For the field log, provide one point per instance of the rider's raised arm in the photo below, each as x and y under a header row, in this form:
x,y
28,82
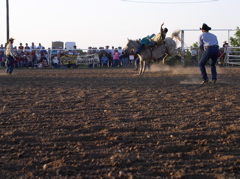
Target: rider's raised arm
x,y
161,29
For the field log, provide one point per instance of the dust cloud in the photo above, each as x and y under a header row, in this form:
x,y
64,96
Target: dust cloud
x,y
193,72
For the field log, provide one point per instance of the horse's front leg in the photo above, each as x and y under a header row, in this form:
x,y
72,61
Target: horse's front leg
x,y
140,65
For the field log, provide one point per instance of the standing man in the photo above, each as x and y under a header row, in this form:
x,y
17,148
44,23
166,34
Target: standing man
x,y
10,54
208,44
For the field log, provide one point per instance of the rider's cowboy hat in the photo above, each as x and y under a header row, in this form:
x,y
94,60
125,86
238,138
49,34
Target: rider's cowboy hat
x,y
205,27
11,39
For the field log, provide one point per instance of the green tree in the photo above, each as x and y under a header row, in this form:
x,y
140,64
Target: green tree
x,y
195,45
236,41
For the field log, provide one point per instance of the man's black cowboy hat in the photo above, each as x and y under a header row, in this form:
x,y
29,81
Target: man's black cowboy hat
x,y
205,27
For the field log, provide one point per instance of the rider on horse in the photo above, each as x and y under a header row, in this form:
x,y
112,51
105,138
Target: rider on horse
x,y
153,40
159,38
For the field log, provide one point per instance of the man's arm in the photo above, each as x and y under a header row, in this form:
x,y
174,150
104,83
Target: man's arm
x,y
200,43
161,29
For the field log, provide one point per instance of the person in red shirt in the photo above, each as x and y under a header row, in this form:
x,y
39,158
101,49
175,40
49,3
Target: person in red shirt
x,y
20,49
33,49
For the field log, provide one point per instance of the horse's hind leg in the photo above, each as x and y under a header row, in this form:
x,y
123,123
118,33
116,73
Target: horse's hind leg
x,y
164,58
140,68
144,67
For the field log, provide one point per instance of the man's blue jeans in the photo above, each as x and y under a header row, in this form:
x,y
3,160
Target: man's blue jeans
x,y
124,62
10,66
210,53
136,63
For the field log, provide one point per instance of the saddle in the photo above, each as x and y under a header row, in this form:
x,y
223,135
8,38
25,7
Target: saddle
x,y
155,45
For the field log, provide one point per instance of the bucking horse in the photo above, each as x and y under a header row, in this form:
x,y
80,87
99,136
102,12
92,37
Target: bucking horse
x,y
166,48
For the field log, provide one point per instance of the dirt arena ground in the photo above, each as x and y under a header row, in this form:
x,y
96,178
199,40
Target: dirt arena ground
x,y
111,123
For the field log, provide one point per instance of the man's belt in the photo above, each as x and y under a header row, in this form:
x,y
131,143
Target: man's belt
x,y
205,47
211,46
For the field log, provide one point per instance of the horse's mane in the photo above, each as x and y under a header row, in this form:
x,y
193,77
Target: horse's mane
x,y
138,41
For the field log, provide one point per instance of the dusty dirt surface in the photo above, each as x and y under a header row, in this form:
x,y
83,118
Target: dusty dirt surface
x,y
111,123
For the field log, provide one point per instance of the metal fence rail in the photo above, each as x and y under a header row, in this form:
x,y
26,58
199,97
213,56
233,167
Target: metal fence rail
x,y
233,56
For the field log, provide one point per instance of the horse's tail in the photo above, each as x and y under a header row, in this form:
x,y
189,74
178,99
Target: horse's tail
x,y
176,35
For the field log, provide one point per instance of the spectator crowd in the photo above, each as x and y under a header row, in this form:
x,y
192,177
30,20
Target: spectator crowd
x,y
27,56
32,56
114,57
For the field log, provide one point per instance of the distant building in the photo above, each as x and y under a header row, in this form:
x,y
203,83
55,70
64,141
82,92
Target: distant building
x,y
57,44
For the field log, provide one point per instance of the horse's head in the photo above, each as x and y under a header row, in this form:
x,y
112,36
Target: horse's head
x,y
131,45
127,47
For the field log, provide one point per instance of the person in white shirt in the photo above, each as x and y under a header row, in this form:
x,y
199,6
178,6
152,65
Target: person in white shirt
x,y
38,55
194,56
55,62
32,47
40,47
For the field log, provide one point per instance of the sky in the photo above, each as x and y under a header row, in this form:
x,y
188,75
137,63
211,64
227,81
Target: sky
x,y
98,23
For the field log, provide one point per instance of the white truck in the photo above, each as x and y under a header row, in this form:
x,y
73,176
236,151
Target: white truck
x,y
69,45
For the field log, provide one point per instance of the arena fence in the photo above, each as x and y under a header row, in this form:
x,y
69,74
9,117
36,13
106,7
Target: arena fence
x,y
75,59
232,56
91,59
